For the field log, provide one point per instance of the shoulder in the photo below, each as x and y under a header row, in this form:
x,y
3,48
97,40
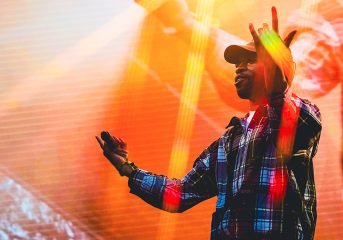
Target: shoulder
x,y
289,107
208,154
309,113
309,124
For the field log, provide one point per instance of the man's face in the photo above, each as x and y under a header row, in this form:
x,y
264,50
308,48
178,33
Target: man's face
x,y
247,80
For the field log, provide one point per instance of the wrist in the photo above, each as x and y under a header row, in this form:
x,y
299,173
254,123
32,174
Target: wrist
x,y
126,168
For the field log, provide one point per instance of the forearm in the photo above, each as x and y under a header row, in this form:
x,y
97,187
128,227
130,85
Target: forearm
x,y
174,195
153,188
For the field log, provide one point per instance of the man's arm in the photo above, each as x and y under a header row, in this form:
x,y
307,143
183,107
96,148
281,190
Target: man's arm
x,y
169,194
306,144
274,56
177,195
300,165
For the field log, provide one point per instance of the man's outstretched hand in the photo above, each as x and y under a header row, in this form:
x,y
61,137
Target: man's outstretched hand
x,y
274,54
115,150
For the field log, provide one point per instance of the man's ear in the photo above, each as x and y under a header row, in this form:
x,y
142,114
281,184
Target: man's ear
x,y
289,38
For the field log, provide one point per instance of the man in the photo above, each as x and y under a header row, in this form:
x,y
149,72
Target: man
x,y
261,168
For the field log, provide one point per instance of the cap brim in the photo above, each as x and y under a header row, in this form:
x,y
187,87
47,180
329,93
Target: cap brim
x,y
233,53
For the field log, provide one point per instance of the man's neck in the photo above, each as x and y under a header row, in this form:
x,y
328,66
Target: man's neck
x,y
255,103
253,106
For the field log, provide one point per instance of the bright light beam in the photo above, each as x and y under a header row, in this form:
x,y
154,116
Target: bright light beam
x,y
28,87
289,115
185,121
279,52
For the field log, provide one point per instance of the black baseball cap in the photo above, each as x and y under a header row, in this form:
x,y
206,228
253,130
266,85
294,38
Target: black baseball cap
x,y
234,52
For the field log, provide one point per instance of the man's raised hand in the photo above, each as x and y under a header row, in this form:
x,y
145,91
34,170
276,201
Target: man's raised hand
x,y
274,55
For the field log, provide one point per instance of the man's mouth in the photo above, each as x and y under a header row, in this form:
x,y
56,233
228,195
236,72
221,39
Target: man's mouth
x,y
239,80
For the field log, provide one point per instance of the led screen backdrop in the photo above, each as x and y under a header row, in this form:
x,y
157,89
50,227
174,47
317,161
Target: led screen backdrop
x,y
70,69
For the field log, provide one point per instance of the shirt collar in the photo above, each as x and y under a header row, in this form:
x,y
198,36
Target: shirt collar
x,y
275,100
241,121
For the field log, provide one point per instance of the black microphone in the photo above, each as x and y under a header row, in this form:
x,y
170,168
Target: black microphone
x,y
111,142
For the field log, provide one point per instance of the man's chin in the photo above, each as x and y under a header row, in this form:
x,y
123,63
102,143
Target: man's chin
x,y
243,94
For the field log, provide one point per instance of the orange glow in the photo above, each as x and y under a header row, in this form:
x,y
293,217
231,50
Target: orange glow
x,y
150,5
185,121
288,127
70,69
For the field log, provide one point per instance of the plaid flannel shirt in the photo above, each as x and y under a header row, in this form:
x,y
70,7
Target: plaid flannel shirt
x,y
243,169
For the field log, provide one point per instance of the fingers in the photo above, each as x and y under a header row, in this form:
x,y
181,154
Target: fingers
x,y
121,152
122,142
112,143
115,141
115,153
114,149
275,20
289,38
100,142
114,158
265,27
275,26
254,34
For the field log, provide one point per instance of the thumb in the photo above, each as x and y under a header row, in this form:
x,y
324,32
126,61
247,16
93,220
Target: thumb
x,y
289,38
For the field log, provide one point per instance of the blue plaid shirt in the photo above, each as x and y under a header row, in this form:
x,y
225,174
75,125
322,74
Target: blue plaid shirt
x,y
262,193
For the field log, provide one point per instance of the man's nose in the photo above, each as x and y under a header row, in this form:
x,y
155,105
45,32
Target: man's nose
x,y
241,67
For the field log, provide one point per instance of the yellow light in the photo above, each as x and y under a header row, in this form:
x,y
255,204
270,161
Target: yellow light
x,y
189,96
279,52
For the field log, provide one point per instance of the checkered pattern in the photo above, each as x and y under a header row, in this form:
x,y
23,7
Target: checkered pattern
x,y
261,193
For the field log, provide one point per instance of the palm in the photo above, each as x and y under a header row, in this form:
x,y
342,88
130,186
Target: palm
x,y
114,149
266,41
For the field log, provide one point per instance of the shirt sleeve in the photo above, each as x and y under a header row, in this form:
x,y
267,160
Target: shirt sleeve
x,y
178,195
300,165
305,147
